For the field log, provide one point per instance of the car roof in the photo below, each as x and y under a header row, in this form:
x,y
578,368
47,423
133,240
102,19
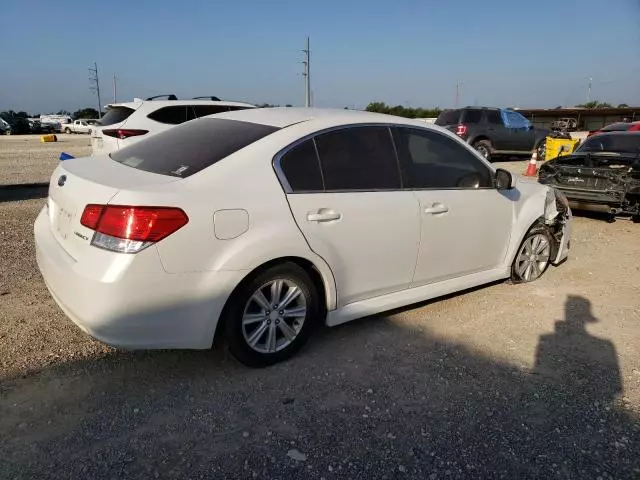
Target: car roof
x,y
167,103
615,132
285,116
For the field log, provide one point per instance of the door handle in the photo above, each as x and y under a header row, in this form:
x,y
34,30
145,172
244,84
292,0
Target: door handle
x,y
436,208
323,216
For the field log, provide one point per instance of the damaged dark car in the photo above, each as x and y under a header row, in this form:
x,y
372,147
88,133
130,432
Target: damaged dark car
x,y
603,174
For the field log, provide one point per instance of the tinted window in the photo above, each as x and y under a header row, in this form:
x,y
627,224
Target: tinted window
x,y
515,120
116,115
204,110
493,117
431,160
612,142
358,158
473,116
301,167
172,115
189,148
448,117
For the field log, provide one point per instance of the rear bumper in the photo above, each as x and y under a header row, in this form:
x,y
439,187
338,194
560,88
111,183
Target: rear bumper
x,y
134,310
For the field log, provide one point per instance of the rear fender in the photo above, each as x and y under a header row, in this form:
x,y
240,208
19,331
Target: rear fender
x,y
235,258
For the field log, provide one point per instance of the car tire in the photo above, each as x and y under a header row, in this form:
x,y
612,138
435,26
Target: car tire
x,y
257,328
539,242
484,148
67,130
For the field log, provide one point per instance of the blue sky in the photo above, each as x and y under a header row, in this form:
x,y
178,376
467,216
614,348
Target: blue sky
x,y
533,53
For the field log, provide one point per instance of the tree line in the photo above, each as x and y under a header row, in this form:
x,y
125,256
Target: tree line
x,y
400,111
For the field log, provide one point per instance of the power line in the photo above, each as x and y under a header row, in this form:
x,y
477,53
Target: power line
x,y
95,85
307,75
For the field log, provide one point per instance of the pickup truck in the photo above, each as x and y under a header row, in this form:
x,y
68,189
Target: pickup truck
x,y
494,131
78,126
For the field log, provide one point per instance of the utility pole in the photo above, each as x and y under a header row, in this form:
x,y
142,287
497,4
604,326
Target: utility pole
x,y
589,90
115,89
95,85
458,85
307,75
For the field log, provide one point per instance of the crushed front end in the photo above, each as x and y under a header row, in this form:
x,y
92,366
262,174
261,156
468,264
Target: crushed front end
x,y
557,217
603,183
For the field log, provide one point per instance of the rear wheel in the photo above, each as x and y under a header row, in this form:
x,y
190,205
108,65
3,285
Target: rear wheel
x,y
533,257
484,148
67,130
272,315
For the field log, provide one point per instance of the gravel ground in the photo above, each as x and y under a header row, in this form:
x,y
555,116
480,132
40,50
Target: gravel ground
x,y
530,381
24,159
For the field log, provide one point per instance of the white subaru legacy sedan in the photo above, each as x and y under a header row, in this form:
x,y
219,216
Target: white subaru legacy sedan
x,y
260,224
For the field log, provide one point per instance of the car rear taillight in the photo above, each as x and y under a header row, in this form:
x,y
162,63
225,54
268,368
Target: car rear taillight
x,y
123,133
461,130
634,127
129,229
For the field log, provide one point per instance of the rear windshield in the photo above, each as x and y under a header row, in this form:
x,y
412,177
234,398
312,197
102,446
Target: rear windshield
x,y
448,117
611,142
116,115
192,146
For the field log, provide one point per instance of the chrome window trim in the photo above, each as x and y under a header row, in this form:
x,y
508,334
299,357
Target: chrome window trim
x,y
286,186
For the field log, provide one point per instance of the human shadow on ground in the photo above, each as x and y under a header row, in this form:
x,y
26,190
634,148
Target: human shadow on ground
x,y
377,398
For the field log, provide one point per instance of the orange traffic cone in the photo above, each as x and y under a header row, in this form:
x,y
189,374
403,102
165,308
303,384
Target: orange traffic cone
x,y
532,168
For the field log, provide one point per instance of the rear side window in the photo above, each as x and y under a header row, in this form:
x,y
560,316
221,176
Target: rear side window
x,y
494,117
174,115
301,167
116,115
448,117
358,158
189,148
472,116
432,160
204,110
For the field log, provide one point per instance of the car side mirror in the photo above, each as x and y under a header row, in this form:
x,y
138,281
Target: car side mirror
x,y
504,179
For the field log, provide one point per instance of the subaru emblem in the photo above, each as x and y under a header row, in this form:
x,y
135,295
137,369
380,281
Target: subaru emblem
x,y
62,180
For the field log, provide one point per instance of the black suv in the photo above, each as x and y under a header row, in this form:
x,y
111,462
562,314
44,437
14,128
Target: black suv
x,y
494,131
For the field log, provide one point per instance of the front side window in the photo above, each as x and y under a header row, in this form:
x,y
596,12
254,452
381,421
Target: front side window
x,y
431,160
515,120
358,158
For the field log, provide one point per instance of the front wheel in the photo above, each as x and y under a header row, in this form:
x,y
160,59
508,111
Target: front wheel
x,y
272,315
484,148
533,257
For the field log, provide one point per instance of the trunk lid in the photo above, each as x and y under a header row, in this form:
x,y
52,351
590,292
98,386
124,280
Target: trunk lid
x,y
78,182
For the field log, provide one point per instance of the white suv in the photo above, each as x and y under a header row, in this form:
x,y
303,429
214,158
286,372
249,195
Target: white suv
x,y
130,122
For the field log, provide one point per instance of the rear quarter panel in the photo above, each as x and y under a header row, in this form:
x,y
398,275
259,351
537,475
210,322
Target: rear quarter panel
x,y
243,181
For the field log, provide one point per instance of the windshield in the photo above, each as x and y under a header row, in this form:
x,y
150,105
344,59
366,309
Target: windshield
x,y
614,143
192,146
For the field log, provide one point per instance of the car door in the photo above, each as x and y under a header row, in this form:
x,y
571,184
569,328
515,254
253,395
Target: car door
x,y
522,135
497,131
344,190
465,222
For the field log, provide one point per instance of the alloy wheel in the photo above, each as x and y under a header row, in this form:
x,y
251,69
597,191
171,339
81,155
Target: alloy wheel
x,y
533,257
274,315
